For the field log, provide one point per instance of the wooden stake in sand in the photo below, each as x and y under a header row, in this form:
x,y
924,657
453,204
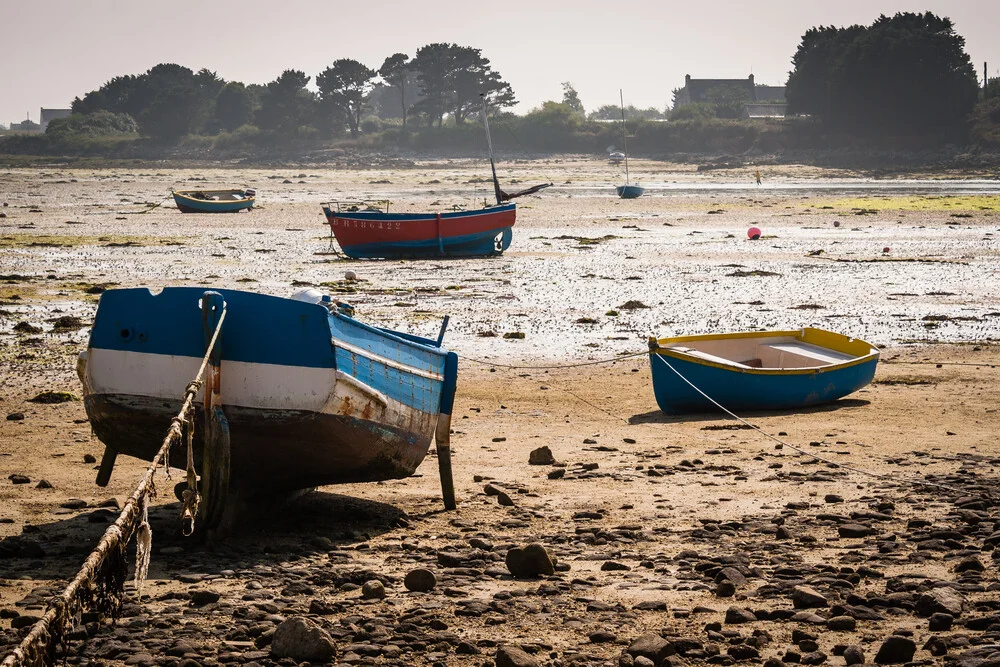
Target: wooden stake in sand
x,y
101,580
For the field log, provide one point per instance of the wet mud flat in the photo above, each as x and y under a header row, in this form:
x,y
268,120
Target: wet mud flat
x,y
672,541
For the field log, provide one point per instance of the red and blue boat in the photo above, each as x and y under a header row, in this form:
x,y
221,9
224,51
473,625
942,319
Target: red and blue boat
x,y
368,232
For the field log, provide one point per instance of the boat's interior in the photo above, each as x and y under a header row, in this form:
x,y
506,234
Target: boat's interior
x,y
217,195
777,352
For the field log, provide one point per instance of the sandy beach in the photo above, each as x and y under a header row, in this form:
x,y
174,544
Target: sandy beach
x,y
709,541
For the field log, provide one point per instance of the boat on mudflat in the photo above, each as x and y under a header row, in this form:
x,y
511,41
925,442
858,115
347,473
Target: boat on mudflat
x,y
629,190
365,231
214,201
312,396
758,370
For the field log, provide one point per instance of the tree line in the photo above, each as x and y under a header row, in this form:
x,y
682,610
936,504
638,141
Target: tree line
x,y
170,101
902,76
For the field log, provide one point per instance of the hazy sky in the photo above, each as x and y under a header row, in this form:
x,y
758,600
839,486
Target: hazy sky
x,y
56,50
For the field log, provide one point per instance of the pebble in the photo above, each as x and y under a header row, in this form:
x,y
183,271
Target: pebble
x,y
302,640
854,655
806,597
735,615
541,457
532,560
896,650
373,590
420,580
650,646
512,656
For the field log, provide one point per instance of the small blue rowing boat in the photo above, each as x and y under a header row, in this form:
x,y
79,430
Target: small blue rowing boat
x,y
312,396
630,191
214,201
759,370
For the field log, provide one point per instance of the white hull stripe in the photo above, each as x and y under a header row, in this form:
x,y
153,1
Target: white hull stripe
x,y
430,375
265,386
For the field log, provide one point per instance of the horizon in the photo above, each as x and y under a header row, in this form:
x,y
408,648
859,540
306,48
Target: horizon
x,y
660,50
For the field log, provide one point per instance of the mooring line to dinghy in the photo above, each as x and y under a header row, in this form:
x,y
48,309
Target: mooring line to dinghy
x,y
913,481
556,367
101,579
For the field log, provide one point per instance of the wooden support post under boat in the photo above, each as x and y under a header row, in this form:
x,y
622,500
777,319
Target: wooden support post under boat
x,y
216,455
442,434
107,465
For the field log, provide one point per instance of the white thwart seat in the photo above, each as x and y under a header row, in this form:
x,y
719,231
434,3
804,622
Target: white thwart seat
x,y
708,357
813,352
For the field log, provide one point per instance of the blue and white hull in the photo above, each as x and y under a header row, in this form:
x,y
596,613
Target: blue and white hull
x,y
312,397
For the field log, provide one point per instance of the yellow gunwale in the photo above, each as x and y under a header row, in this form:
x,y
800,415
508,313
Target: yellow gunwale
x,y
864,352
184,195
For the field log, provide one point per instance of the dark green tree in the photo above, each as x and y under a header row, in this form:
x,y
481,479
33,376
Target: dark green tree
x,y
433,64
904,74
452,78
286,104
571,98
119,95
343,88
233,106
396,74
811,86
992,89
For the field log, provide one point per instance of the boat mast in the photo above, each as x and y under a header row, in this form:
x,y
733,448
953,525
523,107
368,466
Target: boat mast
x,y
489,142
621,97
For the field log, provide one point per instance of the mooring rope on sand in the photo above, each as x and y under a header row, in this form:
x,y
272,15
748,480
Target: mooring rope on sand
x,y
103,569
912,481
556,367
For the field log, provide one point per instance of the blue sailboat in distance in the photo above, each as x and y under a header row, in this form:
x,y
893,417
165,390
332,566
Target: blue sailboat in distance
x,y
627,191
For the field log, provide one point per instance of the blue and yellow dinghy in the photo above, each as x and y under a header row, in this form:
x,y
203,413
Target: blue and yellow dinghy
x,y
312,396
214,201
759,370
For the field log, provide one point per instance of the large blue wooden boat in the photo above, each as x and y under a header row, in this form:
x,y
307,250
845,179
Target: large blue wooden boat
x,y
312,395
769,370
214,201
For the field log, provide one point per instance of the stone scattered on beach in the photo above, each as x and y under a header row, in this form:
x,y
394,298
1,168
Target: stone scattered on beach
x,y
15,416
512,656
940,600
737,615
853,530
530,561
302,640
806,597
373,590
896,650
541,457
202,597
43,484
18,478
420,580
651,646
854,655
